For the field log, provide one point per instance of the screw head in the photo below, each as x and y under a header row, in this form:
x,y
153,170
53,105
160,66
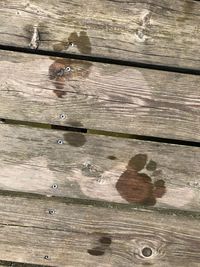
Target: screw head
x,y
51,211
67,69
54,186
62,116
60,142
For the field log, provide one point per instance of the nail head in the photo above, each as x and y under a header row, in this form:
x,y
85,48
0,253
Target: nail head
x,y
67,69
54,186
62,116
51,212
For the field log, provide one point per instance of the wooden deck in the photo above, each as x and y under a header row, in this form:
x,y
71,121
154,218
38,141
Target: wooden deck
x,y
100,133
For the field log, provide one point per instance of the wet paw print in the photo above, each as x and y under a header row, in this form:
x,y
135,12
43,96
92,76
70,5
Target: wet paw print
x,y
79,40
103,246
63,70
137,187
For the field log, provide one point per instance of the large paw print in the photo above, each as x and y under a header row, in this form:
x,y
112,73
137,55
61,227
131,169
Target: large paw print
x,y
137,187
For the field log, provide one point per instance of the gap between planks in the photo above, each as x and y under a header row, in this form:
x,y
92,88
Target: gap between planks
x,y
18,264
92,203
104,60
99,96
100,132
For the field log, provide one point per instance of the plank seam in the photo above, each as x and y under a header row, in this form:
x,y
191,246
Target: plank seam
x,y
146,138
102,59
20,264
102,204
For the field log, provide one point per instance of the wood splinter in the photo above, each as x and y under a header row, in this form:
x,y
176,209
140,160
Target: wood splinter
x,y
34,44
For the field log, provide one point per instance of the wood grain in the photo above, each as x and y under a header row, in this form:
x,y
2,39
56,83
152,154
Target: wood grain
x,y
70,235
99,96
99,168
161,32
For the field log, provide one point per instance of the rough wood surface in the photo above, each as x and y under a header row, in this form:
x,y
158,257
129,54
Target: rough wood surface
x,y
164,32
77,235
99,168
99,96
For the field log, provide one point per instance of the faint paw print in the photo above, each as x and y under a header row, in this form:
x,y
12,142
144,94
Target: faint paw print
x,y
137,187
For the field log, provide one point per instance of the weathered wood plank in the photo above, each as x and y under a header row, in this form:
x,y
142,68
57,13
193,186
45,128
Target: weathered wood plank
x,y
99,96
78,235
163,32
99,168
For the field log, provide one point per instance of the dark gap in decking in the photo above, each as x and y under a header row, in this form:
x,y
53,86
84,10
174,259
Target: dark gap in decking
x,y
43,125
102,132
20,264
102,204
101,59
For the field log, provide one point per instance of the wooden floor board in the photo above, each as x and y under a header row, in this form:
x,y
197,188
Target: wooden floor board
x,y
160,32
99,168
78,235
99,96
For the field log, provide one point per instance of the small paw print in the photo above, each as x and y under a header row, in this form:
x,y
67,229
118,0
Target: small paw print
x,y
137,187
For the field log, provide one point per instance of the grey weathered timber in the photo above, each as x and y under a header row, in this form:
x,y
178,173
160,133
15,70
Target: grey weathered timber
x,y
55,233
99,168
99,96
161,32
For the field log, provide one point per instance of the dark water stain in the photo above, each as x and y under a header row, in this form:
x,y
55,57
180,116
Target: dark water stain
x,y
63,45
58,75
151,166
100,250
63,70
80,40
97,251
105,240
136,187
138,162
75,139
112,157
